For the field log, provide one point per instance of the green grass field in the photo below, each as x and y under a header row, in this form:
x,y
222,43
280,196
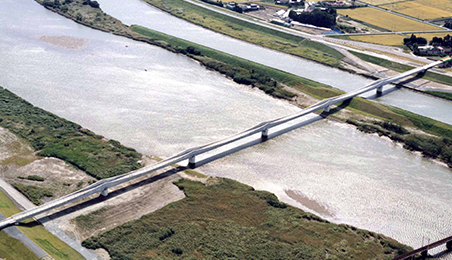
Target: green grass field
x,y
230,220
13,249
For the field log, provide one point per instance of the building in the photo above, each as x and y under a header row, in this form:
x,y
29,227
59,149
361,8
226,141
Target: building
x,y
431,50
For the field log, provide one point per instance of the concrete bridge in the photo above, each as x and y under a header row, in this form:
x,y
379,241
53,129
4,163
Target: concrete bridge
x,y
263,128
424,250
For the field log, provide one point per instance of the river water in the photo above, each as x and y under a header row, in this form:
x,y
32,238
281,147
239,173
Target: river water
x,y
138,12
161,103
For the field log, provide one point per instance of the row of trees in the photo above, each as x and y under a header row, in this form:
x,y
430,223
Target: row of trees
x,y
444,42
317,17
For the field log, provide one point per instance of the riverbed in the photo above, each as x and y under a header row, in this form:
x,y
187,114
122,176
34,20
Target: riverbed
x,y
161,103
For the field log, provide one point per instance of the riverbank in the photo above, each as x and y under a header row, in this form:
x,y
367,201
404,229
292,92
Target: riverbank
x,y
245,224
272,81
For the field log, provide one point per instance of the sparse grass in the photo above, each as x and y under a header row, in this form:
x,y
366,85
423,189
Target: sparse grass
x,y
33,193
233,221
385,20
13,249
36,232
379,2
56,137
195,173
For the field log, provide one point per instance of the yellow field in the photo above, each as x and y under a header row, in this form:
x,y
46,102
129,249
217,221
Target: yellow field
x,y
387,39
429,36
445,5
419,10
380,2
385,20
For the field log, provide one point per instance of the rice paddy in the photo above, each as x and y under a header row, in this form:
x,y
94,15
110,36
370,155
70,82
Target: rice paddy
x,y
420,9
385,20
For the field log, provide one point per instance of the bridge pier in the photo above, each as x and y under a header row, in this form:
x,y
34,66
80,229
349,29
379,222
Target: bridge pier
x,y
449,246
192,162
264,135
326,109
380,90
104,193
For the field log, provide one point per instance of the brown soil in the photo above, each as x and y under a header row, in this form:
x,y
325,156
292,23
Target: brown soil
x,y
65,42
309,203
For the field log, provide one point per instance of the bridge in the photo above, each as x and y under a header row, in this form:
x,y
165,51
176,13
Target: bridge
x,y
424,250
190,154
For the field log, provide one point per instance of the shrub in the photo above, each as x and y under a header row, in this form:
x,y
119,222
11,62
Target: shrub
x,y
166,234
177,251
35,178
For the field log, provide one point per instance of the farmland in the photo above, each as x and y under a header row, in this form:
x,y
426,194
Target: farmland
x,y
380,2
391,39
384,39
385,20
418,9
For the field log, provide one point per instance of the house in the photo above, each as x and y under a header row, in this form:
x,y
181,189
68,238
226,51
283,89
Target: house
x,y
431,50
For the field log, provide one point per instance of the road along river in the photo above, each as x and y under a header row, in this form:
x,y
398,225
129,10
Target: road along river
x,y
99,81
138,12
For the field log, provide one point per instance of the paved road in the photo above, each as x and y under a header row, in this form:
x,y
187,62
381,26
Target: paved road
x,y
14,232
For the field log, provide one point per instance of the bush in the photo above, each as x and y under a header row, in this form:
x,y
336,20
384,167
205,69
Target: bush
x,y
35,178
166,234
177,251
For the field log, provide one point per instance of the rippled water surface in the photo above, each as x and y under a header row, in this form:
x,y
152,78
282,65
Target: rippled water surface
x,y
161,103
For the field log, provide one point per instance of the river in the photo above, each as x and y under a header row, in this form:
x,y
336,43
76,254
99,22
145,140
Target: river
x,y
138,12
161,103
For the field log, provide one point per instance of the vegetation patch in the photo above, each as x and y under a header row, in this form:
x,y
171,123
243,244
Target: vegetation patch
x,y
445,95
433,147
32,178
56,137
233,221
33,193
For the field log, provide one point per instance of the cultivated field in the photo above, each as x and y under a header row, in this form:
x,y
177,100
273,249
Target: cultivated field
x,y
385,20
385,39
445,5
425,10
380,2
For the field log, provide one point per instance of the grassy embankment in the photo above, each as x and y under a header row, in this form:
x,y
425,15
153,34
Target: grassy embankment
x,y
402,68
250,32
56,248
440,94
245,224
